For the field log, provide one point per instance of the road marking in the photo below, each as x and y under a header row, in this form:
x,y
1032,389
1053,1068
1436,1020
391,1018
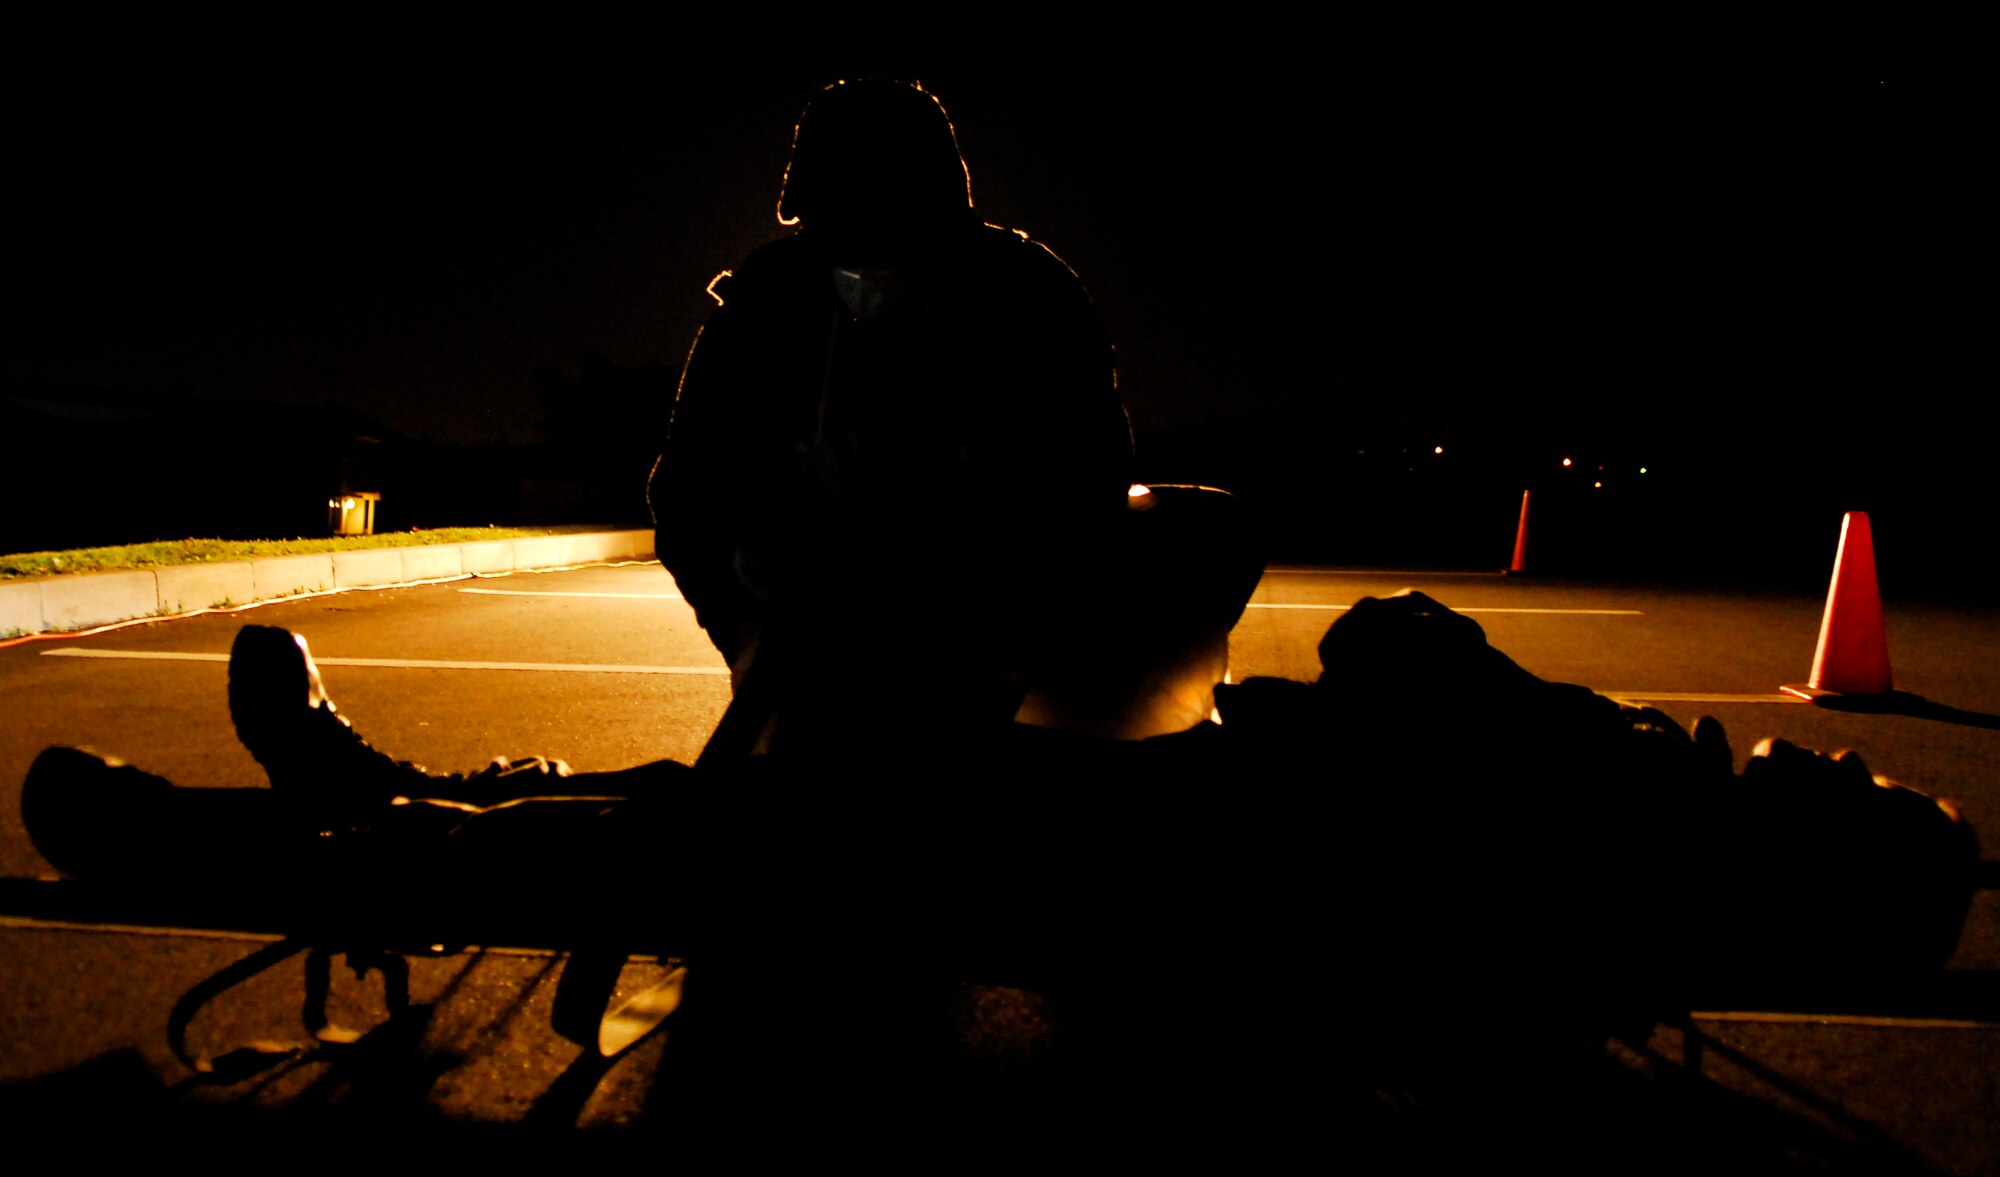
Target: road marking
x,y
401,663
33,924
1494,609
532,593
1699,697
720,671
1334,608
1797,1019
1395,572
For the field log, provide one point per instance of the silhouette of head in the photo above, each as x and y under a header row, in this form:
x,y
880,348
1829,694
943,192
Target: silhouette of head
x,y
875,165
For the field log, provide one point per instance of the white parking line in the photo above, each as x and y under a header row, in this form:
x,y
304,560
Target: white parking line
x,y
720,671
1393,573
532,593
37,924
1496,609
1781,1018
402,663
1697,697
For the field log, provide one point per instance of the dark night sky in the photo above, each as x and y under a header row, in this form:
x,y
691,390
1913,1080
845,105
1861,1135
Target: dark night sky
x,y
1651,252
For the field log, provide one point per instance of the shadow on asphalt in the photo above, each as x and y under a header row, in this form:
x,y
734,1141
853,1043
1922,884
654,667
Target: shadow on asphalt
x,y
1487,1087
1914,706
1648,1115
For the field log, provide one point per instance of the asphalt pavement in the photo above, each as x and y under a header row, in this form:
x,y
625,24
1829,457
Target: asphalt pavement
x,y
605,667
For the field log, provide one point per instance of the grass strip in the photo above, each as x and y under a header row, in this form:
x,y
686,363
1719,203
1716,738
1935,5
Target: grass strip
x,y
162,553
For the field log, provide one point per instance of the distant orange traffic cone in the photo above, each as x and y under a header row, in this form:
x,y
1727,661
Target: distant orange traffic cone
x,y
1853,654
1520,564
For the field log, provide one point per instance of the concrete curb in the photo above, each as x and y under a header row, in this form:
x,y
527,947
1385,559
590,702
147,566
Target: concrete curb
x,y
60,603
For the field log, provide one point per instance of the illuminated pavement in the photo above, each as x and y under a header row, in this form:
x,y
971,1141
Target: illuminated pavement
x,y
605,667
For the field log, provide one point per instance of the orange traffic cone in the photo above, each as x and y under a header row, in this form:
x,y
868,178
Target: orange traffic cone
x,y
1853,654
1520,564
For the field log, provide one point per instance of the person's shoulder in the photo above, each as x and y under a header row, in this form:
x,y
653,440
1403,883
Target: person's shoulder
x,y
1017,249
1015,268
770,266
793,249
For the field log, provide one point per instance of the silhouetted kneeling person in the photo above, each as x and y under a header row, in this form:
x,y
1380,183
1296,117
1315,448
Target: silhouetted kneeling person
x,y
892,438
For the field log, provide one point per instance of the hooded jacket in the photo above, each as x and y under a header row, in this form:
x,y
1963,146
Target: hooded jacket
x,y
895,386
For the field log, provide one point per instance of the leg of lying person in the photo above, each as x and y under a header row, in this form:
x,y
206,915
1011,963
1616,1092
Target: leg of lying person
x,y
767,832
96,817
312,754
402,865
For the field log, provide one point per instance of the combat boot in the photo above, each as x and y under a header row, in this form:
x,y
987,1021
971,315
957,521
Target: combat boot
x,y
314,757
98,818
311,753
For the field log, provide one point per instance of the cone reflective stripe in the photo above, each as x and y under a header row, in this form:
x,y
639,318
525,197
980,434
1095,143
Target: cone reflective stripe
x,y
1520,563
1853,653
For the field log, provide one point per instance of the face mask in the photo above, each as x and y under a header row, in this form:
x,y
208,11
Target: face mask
x,y
871,293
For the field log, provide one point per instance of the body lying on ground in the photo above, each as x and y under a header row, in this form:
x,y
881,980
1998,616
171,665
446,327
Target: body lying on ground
x,y
1342,872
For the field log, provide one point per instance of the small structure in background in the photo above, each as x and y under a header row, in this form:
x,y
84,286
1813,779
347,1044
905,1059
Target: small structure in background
x,y
94,462
352,513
